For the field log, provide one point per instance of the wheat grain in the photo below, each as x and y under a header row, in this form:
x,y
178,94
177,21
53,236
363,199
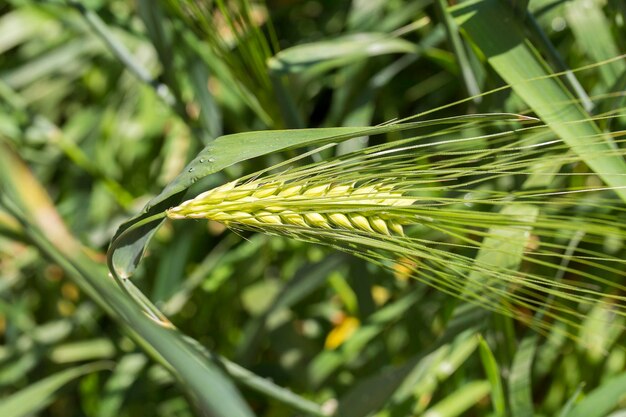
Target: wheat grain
x,y
275,204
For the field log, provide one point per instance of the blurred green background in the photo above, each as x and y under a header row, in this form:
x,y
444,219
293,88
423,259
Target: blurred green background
x,y
107,101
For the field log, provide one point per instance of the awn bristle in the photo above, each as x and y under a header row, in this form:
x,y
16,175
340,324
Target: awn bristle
x,y
274,204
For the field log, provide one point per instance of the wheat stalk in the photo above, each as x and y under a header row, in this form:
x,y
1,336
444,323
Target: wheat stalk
x,y
275,204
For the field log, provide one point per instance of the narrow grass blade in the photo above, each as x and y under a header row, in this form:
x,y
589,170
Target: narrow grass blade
x,y
459,401
493,376
50,62
592,30
122,53
569,405
84,350
325,55
452,30
36,396
29,203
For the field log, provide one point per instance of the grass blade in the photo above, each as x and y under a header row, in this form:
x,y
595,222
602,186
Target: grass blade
x,y
602,400
36,396
520,382
325,55
493,376
29,203
491,25
459,401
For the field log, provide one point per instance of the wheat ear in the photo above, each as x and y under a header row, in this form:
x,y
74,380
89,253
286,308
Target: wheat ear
x,y
275,204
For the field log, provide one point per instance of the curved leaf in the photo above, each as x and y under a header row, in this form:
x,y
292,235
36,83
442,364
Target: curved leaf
x,y
202,379
328,54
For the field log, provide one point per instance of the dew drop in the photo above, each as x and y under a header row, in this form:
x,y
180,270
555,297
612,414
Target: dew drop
x,y
191,169
211,159
202,160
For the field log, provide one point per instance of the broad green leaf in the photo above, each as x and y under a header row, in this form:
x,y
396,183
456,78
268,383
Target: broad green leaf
x,y
36,396
602,400
325,55
502,249
492,27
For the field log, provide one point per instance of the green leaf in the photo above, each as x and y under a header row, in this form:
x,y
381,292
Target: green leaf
x,y
592,31
399,384
325,55
602,400
117,386
520,381
36,396
464,63
501,250
83,350
493,376
205,383
371,393
460,400
493,28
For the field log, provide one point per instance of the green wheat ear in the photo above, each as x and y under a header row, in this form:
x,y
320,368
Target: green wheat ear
x,y
276,204
361,202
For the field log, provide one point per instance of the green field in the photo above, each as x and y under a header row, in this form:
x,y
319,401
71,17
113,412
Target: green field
x,y
280,208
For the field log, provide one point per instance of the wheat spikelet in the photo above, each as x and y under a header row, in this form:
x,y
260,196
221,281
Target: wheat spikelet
x,y
275,204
